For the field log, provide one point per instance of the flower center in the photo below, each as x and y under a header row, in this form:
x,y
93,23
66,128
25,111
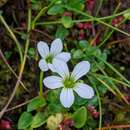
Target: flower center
x,y
69,82
49,58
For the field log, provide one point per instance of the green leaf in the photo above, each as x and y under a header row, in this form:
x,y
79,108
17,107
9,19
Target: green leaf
x,y
31,51
38,120
61,32
23,36
91,122
80,101
66,21
93,101
77,54
36,103
127,15
80,117
25,120
77,4
52,96
56,9
29,128
55,108
8,54
83,44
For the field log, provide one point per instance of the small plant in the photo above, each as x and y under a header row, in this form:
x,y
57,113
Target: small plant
x,y
68,58
72,87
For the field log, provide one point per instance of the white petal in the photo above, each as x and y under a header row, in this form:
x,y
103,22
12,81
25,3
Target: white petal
x,y
67,97
43,65
51,67
56,46
84,90
65,56
43,49
53,82
80,69
61,67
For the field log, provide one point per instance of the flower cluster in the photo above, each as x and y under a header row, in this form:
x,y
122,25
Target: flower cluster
x,y
56,61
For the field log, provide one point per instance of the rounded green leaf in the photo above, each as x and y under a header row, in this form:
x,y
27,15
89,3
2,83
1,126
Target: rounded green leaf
x,y
25,120
38,120
56,9
83,44
31,52
76,4
66,21
78,54
127,16
61,32
29,128
36,103
80,117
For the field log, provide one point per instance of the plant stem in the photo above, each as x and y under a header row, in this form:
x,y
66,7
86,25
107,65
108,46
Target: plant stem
x,y
99,7
106,85
99,102
107,33
38,16
112,84
22,66
96,19
13,37
41,84
10,68
20,105
82,20
113,79
41,12
112,68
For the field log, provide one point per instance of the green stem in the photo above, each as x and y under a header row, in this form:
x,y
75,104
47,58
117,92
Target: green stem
x,y
113,79
112,27
13,37
22,66
38,16
112,84
99,102
100,108
41,84
41,12
96,19
99,7
11,70
112,68
115,11
106,38
108,34
105,84
82,20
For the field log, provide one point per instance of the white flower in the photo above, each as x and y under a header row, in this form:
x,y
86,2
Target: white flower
x,y
48,56
69,82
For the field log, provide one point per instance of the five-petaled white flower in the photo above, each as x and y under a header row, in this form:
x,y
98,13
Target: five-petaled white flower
x,y
69,82
48,56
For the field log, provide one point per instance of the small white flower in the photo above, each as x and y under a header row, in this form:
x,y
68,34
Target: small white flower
x,y
69,82
48,56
